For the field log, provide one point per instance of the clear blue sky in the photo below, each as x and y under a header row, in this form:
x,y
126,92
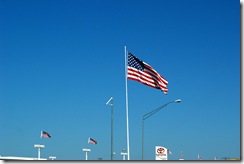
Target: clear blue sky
x,y
60,61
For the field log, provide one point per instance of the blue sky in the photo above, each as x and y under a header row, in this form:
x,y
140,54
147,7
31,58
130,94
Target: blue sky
x,y
60,61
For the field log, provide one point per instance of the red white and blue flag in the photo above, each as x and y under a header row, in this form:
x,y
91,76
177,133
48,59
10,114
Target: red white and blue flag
x,y
45,134
140,71
199,158
92,141
169,152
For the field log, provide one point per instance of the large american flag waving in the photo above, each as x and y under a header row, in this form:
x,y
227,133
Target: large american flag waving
x,y
142,72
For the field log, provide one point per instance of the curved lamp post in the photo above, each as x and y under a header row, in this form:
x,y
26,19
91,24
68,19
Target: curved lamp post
x,y
145,116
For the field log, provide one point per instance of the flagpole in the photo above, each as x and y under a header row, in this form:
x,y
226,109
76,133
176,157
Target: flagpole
x,y
127,119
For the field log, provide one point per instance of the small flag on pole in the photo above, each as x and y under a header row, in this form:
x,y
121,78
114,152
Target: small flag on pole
x,y
92,141
140,71
45,135
199,158
169,152
181,156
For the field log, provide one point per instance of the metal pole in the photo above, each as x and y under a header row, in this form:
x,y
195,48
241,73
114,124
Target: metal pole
x,y
123,153
86,151
127,111
86,155
142,153
112,119
145,116
111,103
39,153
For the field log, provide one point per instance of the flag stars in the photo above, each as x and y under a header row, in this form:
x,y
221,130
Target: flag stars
x,y
134,62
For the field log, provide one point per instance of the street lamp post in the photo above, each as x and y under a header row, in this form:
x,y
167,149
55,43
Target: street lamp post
x,y
52,157
111,103
86,151
145,116
123,153
39,149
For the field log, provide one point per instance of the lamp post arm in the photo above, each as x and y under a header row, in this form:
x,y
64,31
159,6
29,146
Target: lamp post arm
x,y
155,110
144,117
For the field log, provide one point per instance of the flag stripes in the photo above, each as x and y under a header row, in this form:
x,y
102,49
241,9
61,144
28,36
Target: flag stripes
x,y
45,135
169,152
142,72
92,141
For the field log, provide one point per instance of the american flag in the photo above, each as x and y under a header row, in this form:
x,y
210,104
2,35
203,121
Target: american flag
x,y
45,135
90,140
182,155
199,158
169,152
142,72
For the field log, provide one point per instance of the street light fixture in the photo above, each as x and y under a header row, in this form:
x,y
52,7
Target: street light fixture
x,y
111,103
145,116
52,157
123,153
86,150
39,149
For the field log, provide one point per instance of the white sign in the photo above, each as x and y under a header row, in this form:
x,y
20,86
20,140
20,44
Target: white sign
x,y
161,153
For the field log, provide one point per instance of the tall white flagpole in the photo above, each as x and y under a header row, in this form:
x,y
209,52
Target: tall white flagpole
x,y
127,119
